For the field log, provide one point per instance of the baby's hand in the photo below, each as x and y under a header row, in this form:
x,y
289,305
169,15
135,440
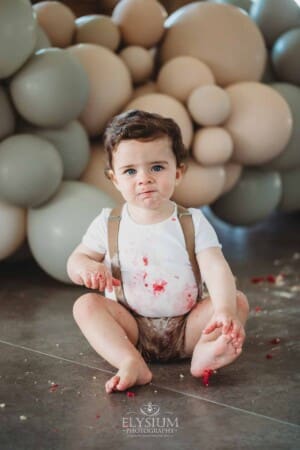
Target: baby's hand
x,y
229,323
97,276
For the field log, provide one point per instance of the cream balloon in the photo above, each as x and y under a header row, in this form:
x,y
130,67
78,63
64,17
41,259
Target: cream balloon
x,y
110,85
141,22
166,106
97,29
13,228
94,173
221,36
209,105
57,20
200,185
139,62
148,88
260,122
181,75
233,172
212,146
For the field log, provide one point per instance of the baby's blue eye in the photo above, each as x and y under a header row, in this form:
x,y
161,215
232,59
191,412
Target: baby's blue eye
x,y
130,171
157,168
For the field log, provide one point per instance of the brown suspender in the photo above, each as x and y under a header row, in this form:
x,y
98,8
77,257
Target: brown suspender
x,y
186,222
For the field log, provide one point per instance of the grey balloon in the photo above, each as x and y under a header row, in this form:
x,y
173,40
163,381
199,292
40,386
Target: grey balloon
x,y
253,198
7,116
30,170
51,89
73,145
290,200
275,17
243,4
286,56
42,40
56,228
17,35
290,157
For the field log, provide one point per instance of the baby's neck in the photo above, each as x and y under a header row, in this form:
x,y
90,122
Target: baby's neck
x,y
146,216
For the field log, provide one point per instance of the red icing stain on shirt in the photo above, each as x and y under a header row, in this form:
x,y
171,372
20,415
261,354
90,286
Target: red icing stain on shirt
x,y
145,260
159,287
206,376
174,219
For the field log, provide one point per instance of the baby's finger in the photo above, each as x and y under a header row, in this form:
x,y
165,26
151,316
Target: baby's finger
x,y
235,329
226,326
87,281
94,281
210,328
109,283
102,282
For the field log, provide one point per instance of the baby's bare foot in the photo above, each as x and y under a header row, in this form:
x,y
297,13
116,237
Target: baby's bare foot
x,y
213,354
132,372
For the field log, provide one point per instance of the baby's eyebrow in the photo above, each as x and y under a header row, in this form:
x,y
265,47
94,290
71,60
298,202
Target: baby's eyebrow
x,y
151,163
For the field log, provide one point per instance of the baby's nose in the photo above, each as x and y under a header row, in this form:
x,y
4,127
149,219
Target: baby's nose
x,y
145,177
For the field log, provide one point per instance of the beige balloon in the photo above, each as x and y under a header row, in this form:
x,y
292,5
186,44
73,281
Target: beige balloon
x,y
233,172
260,122
94,173
139,61
168,107
148,88
222,36
97,29
212,146
110,85
200,185
209,105
180,76
141,21
13,228
57,20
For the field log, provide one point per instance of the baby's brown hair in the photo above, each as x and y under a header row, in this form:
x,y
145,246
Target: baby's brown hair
x,y
142,126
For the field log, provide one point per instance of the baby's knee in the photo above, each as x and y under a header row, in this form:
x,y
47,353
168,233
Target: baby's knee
x,y
85,306
242,303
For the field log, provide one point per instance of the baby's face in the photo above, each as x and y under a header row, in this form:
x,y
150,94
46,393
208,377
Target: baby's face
x,y
145,172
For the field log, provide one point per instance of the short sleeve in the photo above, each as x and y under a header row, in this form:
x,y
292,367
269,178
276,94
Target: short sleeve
x,y
205,235
95,237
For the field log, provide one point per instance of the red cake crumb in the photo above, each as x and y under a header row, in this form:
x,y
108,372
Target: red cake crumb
x,y
206,376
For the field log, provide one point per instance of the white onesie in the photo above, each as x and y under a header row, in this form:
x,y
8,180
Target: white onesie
x,y
157,276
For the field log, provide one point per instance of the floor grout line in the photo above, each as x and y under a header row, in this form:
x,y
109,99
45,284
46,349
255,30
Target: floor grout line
x,y
198,397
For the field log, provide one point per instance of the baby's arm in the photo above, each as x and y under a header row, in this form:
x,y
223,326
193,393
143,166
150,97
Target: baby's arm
x,y
85,267
221,287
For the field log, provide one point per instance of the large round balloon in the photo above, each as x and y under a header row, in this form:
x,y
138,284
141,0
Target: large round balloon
x,y
200,185
109,82
13,228
141,22
18,35
285,56
30,170
97,29
51,89
181,75
209,105
260,122
212,146
168,107
221,36
243,4
252,199
7,121
139,61
56,228
290,200
289,158
94,173
275,17
58,21
72,143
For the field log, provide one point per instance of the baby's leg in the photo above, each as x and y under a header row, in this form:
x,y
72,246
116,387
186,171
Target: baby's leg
x,y
214,350
112,331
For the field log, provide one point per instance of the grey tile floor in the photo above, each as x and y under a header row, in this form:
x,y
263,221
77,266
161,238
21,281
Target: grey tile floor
x,y
52,383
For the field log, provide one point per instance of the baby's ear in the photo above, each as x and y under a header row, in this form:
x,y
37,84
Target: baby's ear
x,y
109,174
